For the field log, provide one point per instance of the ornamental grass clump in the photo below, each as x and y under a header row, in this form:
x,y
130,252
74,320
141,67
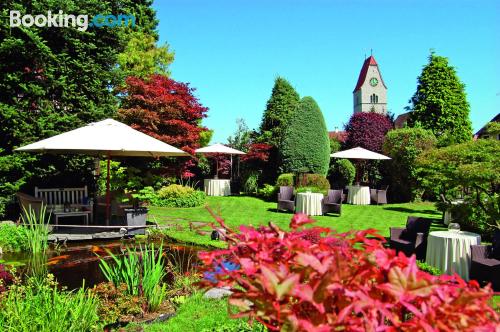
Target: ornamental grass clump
x,y
142,271
44,307
37,228
315,279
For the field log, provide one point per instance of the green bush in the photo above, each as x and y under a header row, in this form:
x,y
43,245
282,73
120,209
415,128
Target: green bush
x,y
176,195
477,219
429,268
174,191
268,192
251,185
312,189
13,238
342,173
285,179
313,180
45,308
306,146
404,146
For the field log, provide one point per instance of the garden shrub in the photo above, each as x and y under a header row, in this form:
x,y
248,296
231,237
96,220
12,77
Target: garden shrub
x,y
116,304
423,266
251,185
269,192
306,146
6,278
312,180
311,189
475,219
285,179
342,173
179,196
472,166
367,130
404,146
12,237
315,279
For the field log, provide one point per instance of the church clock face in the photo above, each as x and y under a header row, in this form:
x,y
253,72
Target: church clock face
x,y
373,81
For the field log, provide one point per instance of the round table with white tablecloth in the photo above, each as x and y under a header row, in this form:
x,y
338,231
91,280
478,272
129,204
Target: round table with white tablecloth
x,y
450,251
358,195
309,203
217,187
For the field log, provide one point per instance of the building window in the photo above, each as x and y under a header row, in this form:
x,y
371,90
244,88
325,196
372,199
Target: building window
x,y
374,99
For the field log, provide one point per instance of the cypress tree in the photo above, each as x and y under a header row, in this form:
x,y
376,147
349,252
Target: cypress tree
x,y
440,103
306,147
283,101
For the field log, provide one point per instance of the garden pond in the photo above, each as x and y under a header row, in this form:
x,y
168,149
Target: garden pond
x,y
77,264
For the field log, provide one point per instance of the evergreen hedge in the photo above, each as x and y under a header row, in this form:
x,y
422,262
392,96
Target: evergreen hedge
x,y
306,147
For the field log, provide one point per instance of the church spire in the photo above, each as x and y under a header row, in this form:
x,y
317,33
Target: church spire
x,y
370,93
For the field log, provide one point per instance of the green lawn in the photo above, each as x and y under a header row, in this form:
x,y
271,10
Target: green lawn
x,y
203,315
243,210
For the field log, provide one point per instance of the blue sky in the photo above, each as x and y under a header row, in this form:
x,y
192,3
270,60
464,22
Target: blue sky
x,y
231,51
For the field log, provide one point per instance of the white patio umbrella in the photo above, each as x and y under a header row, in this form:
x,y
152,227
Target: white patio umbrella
x,y
359,154
107,138
220,148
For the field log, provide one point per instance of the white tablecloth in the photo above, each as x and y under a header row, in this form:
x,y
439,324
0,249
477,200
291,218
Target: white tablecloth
x,y
358,195
450,251
309,203
217,187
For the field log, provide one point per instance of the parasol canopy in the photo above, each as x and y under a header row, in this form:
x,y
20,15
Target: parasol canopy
x,y
222,149
108,138
104,138
359,153
218,148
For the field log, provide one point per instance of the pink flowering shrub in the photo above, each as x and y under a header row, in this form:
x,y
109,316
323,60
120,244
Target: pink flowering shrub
x,y
318,280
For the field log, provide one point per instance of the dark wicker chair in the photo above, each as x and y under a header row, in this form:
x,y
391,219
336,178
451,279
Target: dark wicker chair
x,y
413,238
285,199
379,196
333,202
484,267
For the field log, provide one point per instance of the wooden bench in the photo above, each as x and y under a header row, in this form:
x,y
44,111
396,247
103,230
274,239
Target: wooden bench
x,y
76,197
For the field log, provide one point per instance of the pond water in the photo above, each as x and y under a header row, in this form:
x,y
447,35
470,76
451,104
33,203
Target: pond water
x,y
78,263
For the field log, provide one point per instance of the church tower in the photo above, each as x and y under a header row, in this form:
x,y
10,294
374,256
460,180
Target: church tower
x,y
370,93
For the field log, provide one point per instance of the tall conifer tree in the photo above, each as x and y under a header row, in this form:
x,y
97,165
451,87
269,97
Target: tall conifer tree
x,y
440,103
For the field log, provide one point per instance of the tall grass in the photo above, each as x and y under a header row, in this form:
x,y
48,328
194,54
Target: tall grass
x,y
142,271
32,307
37,228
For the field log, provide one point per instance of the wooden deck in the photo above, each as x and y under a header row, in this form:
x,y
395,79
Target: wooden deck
x,y
63,233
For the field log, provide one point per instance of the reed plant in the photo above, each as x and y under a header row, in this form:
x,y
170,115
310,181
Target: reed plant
x,y
141,270
37,228
45,308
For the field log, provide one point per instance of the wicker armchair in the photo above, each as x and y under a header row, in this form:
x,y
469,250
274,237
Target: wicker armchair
x,y
333,202
413,238
484,266
27,202
285,199
379,196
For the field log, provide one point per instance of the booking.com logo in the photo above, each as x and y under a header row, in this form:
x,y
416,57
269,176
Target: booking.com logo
x,y
61,20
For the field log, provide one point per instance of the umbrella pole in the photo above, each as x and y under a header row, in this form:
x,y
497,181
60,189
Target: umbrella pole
x,y
231,172
108,198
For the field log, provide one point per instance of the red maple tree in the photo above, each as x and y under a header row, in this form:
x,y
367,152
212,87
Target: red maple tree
x,y
165,109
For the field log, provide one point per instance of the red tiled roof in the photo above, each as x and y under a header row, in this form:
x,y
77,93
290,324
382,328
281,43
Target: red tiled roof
x,y
401,120
370,61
